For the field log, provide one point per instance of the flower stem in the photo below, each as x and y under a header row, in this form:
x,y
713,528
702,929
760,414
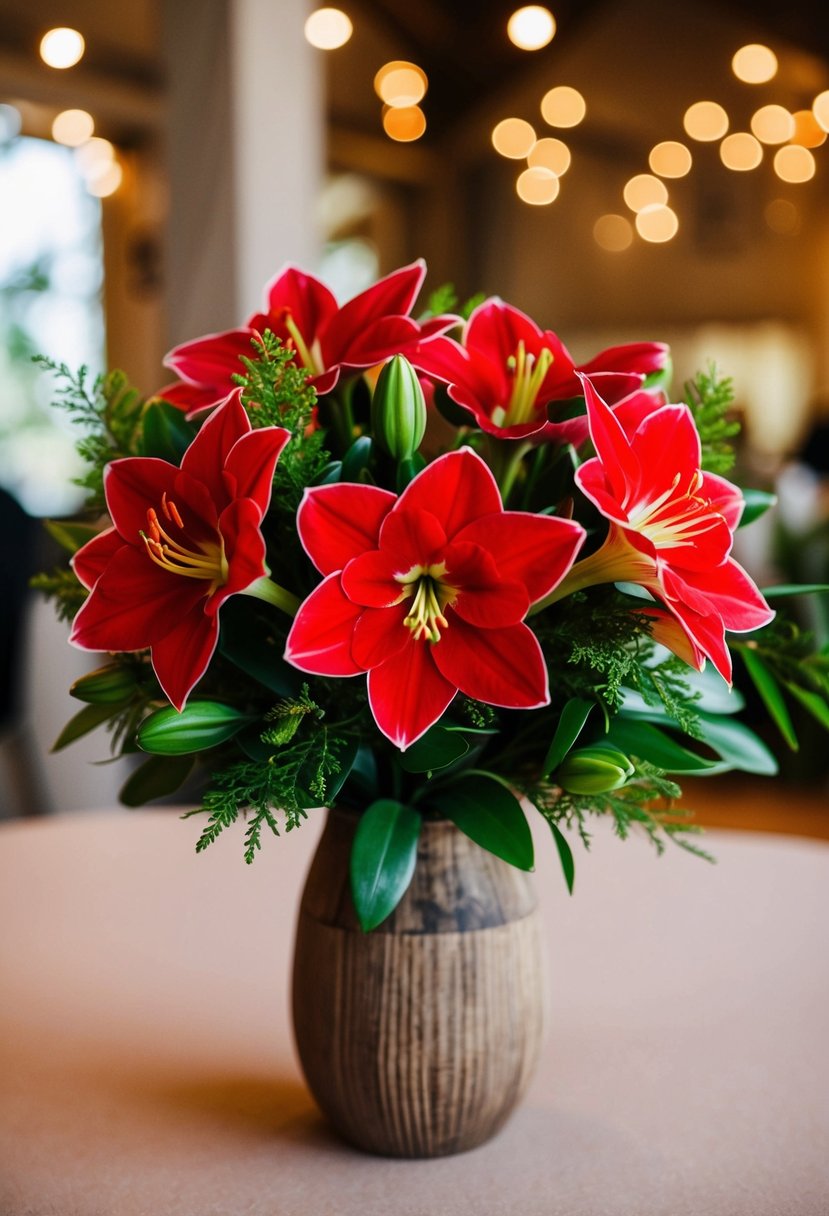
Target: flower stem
x,y
616,561
272,593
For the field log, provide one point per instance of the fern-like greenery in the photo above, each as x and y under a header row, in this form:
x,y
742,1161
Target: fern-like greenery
x,y
709,398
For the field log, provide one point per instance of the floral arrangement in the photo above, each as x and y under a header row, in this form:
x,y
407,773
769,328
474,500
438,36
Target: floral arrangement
x,y
419,566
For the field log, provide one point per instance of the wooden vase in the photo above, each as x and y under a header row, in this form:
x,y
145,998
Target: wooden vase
x,y
419,1038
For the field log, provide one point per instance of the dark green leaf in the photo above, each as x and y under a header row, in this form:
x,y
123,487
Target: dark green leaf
x,y
158,776
565,854
812,701
408,469
491,816
330,473
82,723
364,773
769,691
573,717
383,859
356,459
70,536
165,432
757,503
200,725
436,749
251,645
650,743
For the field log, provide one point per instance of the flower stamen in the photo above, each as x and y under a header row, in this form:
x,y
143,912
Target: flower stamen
x,y
529,372
207,562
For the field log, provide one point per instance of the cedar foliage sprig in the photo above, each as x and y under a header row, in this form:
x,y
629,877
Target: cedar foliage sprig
x,y
62,586
709,398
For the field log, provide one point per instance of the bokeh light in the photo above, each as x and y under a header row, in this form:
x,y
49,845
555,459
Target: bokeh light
x,y
820,109
670,159
741,152
73,128
550,153
62,47
782,216
705,121
807,130
754,64
657,224
94,157
772,124
532,27
563,106
400,83
613,233
328,28
537,186
404,123
514,138
644,190
107,182
794,163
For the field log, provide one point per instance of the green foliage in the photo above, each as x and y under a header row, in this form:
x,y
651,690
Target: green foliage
x,y
287,717
709,399
383,858
442,299
782,656
488,813
201,725
62,587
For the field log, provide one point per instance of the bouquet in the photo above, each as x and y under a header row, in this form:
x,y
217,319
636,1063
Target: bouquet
x,y
419,564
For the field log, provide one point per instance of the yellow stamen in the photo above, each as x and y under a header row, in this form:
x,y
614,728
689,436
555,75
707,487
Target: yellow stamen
x,y
430,595
528,373
301,345
675,518
207,562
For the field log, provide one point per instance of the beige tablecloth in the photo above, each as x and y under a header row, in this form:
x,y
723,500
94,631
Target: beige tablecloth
x,y
148,1065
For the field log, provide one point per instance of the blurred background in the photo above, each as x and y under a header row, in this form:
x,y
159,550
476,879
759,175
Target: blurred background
x,y
620,169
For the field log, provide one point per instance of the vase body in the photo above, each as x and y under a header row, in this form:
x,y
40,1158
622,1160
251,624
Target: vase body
x,y
419,1038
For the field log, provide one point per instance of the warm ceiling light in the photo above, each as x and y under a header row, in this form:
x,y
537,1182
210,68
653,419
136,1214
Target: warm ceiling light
x,y
754,64
106,183
670,159
705,121
404,123
563,106
532,27
772,124
328,28
613,233
820,109
782,216
643,190
537,186
794,163
552,154
400,83
62,47
807,130
10,123
513,137
740,152
73,128
657,224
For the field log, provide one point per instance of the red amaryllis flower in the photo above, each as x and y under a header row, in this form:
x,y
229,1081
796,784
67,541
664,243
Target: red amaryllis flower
x,y
327,337
183,540
509,373
428,592
671,529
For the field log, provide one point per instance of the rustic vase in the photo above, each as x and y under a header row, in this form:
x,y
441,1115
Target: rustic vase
x,y
419,1038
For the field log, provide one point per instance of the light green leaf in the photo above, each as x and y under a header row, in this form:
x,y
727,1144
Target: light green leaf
x,y
570,725
757,503
812,701
82,723
490,815
565,854
738,746
771,593
769,691
641,739
383,858
70,536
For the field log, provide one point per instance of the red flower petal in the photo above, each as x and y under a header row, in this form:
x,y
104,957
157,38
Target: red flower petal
x,y
392,296
643,357
90,562
205,458
486,599
612,446
134,604
537,550
239,526
408,694
700,620
132,486
252,460
414,537
386,336
379,635
182,657
457,488
669,632
339,522
732,594
369,580
666,443
310,303
724,497
320,637
498,666
213,359
191,398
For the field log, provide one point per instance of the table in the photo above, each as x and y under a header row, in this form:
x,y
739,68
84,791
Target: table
x,y
149,1067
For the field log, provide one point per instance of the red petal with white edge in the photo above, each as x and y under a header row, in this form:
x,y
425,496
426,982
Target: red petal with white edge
x,y
134,485
90,562
667,631
485,599
447,361
457,488
310,303
408,694
536,550
251,463
388,336
499,666
392,296
213,359
700,620
667,446
133,604
379,635
591,478
644,357
244,548
724,497
635,407
612,446
369,580
192,399
320,637
339,522
205,458
733,595
183,656
413,538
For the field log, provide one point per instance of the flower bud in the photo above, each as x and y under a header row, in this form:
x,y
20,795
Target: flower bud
x,y
200,725
398,409
107,686
593,770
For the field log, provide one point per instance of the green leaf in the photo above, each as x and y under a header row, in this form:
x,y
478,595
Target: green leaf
x,y
330,473
757,503
82,723
771,593
738,746
247,640
436,749
158,776
573,717
769,691
200,725
356,458
408,469
812,701
70,536
333,784
383,858
491,816
165,432
364,773
565,854
650,743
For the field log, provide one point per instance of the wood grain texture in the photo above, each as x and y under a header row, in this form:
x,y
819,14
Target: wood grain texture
x,y
418,1039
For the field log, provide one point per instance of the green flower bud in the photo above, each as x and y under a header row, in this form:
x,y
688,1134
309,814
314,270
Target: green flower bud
x,y
398,409
200,725
107,686
593,770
